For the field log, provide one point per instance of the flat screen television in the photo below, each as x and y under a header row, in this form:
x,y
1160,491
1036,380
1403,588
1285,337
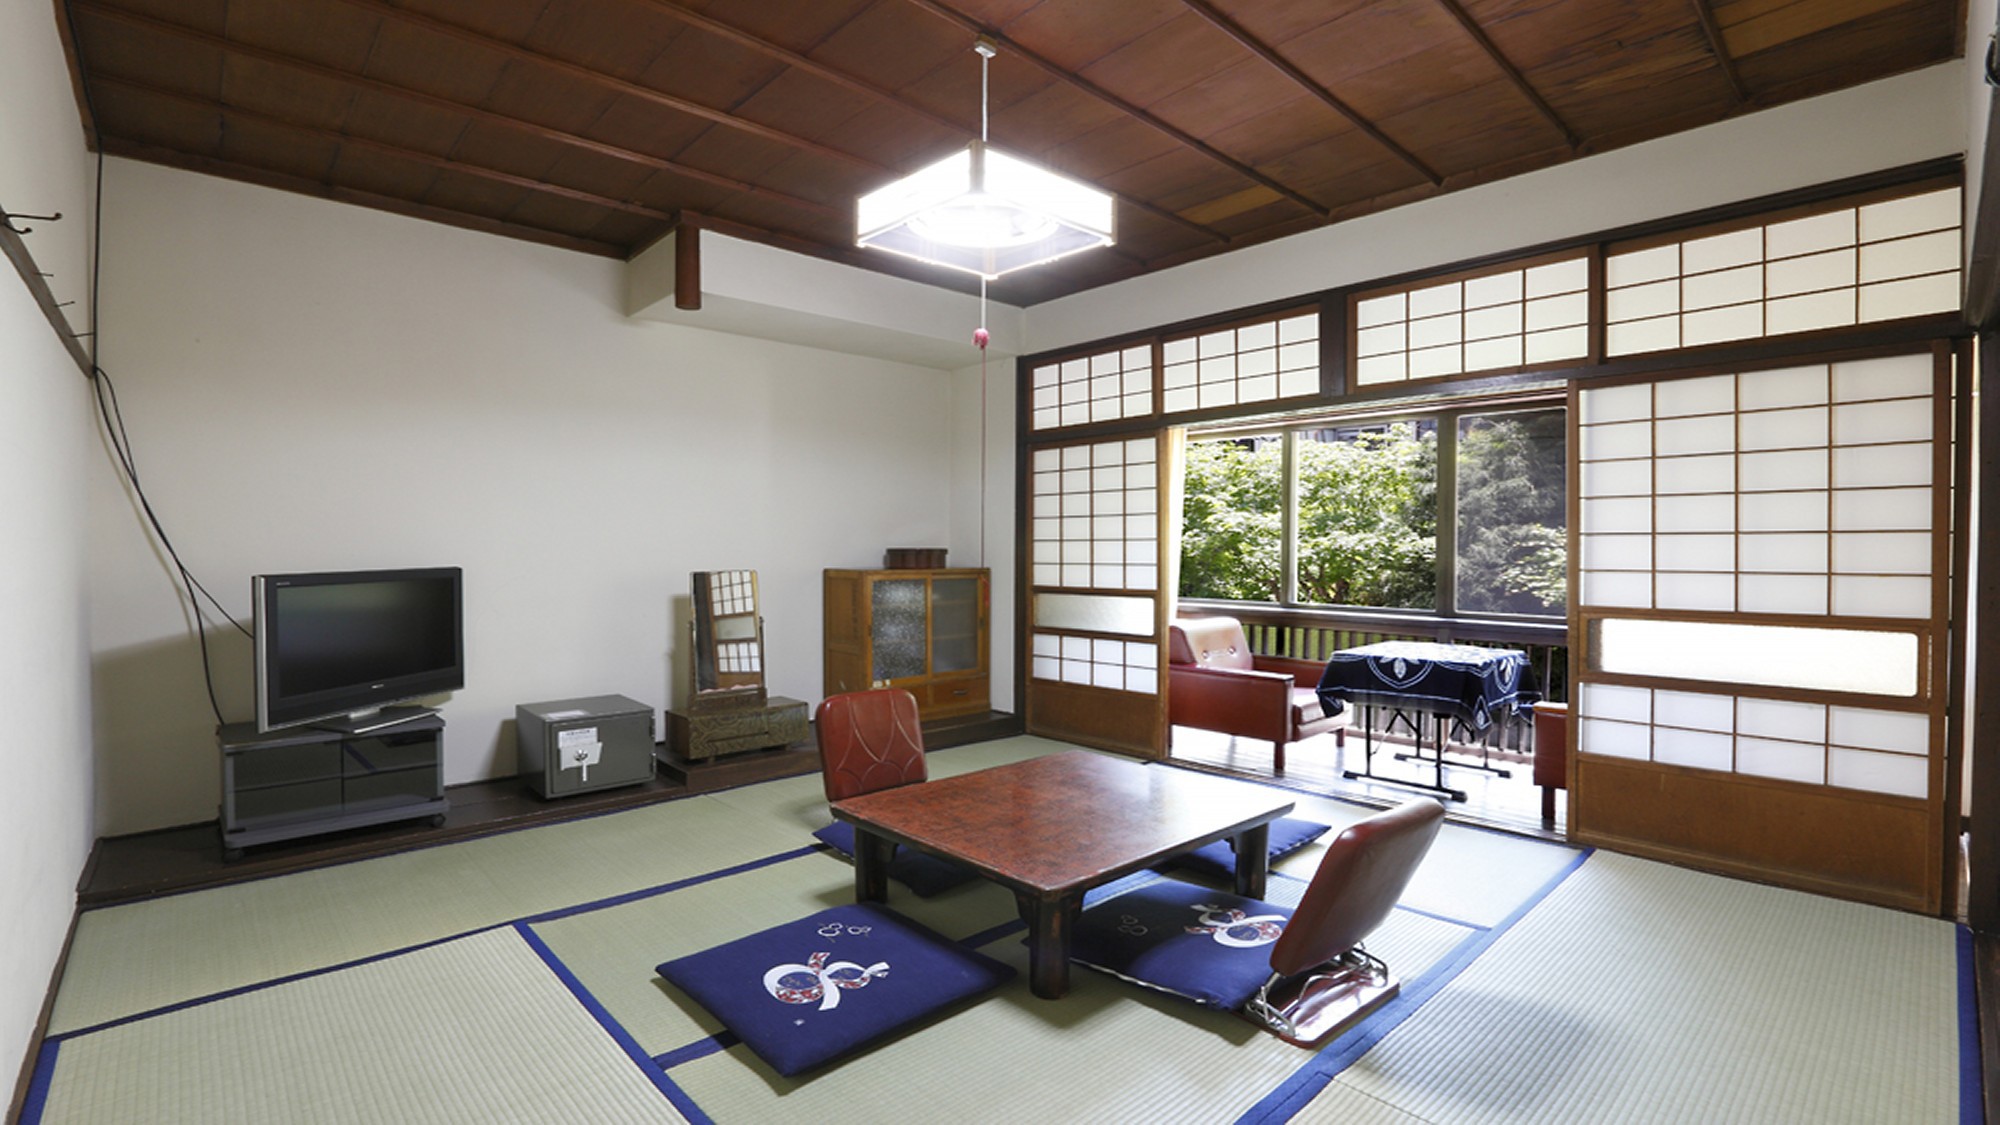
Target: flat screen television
x,y
335,647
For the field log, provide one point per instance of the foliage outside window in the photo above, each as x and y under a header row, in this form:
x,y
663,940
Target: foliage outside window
x,y
1513,546
1364,515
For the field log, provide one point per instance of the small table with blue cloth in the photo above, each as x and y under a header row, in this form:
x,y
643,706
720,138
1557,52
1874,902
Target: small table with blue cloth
x,y
1460,685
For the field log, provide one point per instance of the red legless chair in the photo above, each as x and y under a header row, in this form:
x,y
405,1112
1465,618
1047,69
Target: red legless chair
x,y
1215,683
1322,981
869,740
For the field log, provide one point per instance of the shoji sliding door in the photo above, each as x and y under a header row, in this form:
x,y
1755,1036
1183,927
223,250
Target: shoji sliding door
x,y
1760,630
1095,615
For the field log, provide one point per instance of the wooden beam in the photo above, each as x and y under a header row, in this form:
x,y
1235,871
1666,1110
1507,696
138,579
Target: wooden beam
x,y
1713,33
442,163
1513,72
1305,81
375,85
607,82
960,19
687,267
886,96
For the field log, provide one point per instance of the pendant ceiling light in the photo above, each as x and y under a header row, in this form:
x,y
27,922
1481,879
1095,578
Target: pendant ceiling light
x,y
982,210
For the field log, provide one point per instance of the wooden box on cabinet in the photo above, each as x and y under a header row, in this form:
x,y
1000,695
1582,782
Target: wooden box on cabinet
x,y
922,630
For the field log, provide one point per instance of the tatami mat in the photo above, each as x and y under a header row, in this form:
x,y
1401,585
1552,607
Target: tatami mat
x,y
474,1030
1639,992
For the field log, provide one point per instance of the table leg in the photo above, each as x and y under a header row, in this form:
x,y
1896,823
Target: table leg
x,y
1253,860
1051,925
871,865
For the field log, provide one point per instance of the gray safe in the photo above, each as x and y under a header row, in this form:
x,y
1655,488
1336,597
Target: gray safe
x,y
569,746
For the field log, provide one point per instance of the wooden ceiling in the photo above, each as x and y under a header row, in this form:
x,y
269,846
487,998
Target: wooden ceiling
x,y
599,125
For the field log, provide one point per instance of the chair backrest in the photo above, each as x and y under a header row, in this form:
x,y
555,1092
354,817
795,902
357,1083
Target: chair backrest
x,y
1211,642
869,740
1362,874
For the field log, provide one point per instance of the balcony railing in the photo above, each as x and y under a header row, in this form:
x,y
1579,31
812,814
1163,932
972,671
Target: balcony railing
x,y
1316,634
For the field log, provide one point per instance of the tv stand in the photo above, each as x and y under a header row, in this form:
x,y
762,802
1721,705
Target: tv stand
x,y
284,784
371,721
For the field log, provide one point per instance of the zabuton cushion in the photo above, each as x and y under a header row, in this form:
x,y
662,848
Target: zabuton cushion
x,y
1211,947
1218,860
807,992
925,875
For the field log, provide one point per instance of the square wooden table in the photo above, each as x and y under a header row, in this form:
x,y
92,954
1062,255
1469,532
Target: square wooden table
x,y
1050,828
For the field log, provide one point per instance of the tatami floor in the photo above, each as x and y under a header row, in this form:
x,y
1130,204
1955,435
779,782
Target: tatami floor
x,y
510,978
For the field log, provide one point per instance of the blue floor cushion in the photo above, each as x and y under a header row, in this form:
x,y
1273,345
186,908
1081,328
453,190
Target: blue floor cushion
x,y
1218,860
924,874
810,991
1209,946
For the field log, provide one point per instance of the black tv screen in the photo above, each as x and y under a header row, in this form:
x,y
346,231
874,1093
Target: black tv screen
x,y
342,644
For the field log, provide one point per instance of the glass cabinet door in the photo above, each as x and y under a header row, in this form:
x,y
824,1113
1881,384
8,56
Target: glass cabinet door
x,y
898,628
954,625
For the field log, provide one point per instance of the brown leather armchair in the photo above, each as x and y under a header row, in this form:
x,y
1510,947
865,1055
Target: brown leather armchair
x,y
1215,683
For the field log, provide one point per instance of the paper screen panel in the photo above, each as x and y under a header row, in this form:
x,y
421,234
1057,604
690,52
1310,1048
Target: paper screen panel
x,y
1511,317
1261,361
1850,264
1102,387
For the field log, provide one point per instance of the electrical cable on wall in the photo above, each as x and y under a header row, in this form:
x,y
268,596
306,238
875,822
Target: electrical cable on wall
x,y
113,418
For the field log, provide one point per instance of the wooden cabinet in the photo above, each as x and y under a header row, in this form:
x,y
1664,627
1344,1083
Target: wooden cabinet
x,y
922,630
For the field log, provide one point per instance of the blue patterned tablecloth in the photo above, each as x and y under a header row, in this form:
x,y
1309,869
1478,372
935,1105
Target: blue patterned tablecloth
x,y
1472,685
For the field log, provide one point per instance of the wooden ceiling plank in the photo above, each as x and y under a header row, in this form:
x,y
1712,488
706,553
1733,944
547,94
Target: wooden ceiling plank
x,y
1193,143
1513,73
442,163
436,102
1304,81
863,86
1706,16
585,74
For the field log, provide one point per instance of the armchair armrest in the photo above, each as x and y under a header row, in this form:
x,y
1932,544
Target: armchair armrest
x,y
1305,673
1248,703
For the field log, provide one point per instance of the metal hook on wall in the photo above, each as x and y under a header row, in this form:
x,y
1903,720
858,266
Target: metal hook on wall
x,y
8,217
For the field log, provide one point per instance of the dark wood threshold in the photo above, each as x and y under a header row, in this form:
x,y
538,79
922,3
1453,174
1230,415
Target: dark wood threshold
x,y
171,860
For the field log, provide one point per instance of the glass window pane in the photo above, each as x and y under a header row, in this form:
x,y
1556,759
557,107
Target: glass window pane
x,y
1512,531
1854,660
1367,515
1232,518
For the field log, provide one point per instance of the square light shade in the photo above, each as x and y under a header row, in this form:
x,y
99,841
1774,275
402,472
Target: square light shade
x,y
985,212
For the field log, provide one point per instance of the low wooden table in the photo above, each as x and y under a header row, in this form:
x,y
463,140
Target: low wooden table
x,y
1050,828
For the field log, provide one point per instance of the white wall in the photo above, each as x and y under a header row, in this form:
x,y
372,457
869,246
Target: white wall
x,y
315,386
1901,120
46,827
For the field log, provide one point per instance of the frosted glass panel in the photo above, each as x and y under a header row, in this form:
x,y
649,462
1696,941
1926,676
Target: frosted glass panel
x,y
1097,613
1615,701
1616,740
1786,761
1893,774
1854,660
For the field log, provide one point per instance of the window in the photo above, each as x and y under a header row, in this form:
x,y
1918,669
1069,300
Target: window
x,y
1346,513
1513,546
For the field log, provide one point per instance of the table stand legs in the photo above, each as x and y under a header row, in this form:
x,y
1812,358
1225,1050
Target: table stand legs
x,y
1051,922
1485,762
1368,771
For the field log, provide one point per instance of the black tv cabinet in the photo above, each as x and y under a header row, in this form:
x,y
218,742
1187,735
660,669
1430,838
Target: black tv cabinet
x,y
281,785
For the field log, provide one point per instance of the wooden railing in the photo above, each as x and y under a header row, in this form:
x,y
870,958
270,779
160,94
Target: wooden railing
x,y
1316,634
